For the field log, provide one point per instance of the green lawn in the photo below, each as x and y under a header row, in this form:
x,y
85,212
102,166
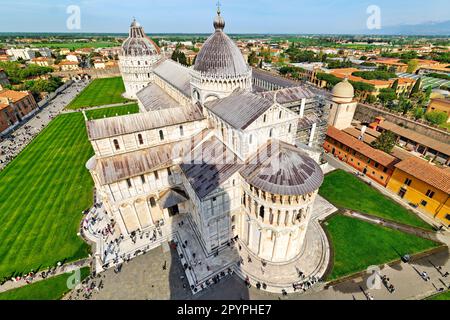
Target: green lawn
x,y
100,92
112,112
345,190
76,45
50,289
446,126
42,194
358,244
441,297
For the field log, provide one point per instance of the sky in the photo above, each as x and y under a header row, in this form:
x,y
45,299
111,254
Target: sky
x,y
196,16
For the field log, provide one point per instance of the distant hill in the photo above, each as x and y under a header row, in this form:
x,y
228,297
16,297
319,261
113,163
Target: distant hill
x,y
423,29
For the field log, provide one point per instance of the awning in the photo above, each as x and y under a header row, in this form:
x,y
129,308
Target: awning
x,y
173,197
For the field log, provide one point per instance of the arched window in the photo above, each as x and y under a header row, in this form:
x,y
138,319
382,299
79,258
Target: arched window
x,y
141,140
251,139
265,118
290,128
161,135
152,202
280,115
271,218
169,172
261,212
271,133
181,131
116,144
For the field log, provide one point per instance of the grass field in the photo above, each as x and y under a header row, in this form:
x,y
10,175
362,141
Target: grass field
x,y
76,45
346,191
100,92
42,194
50,289
358,245
445,296
112,112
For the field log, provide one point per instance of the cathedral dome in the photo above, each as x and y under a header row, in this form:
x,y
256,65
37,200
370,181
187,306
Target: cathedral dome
x,y
138,44
343,91
219,55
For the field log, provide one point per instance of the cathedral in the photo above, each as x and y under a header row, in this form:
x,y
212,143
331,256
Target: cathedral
x,y
234,151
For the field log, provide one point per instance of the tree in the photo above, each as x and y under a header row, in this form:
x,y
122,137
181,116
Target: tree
x,y
253,59
385,142
371,99
412,66
404,105
418,113
417,87
436,117
386,96
395,85
180,57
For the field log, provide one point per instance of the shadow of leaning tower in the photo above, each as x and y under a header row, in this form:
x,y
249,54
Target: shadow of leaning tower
x,y
204,249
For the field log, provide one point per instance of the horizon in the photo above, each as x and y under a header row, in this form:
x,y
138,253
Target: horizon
x,y
286,17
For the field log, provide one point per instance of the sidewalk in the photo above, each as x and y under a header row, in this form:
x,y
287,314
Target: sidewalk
x,y
10,285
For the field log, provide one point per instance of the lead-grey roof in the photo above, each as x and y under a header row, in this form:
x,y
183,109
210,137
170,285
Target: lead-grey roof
x,y
176,75
289,95
116,126
274,79
154,98
138,44
307,121
220,57
133,164
240,109
210,165
283,169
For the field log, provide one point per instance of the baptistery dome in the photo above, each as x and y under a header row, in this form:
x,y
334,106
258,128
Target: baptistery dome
x,y
136,60
138,44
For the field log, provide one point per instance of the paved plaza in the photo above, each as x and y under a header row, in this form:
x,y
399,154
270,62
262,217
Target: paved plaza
x,y
159,275
203,269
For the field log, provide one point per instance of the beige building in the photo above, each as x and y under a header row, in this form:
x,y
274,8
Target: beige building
x,y
343,105
68,66
43,61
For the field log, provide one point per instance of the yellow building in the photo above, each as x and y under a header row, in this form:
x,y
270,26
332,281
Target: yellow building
x,y
423,185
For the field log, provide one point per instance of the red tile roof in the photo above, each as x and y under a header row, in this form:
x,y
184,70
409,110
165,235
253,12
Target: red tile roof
x,y
420,169
381,157
14,95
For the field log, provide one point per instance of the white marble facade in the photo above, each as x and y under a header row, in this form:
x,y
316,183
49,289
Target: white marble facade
x,y
141,159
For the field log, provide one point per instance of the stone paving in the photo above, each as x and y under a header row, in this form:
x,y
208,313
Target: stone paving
x,y
201,268
158,275
53,272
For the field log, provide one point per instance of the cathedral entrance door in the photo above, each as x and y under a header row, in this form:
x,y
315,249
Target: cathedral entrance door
x,y
173,211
